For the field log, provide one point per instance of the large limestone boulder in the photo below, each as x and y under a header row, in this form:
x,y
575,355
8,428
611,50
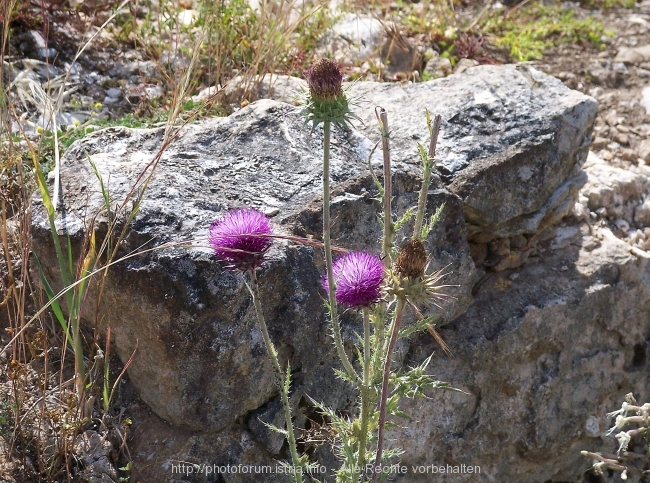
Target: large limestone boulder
x,y
545,352
526,340
201,362
514,140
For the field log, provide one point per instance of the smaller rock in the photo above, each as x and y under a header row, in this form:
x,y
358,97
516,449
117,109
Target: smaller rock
x,y
645,99
644,150
634,55
114,92
628,154
464,64
621,138
642,216
564,236
40,47
611,118
205,94
599,142
622,225
354,37
437,66
187,17
282,88
607,155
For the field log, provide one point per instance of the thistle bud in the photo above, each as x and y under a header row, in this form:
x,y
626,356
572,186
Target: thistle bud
x,y
326,100
412,259
325,80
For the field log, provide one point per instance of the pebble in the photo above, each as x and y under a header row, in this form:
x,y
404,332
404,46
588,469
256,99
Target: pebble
x,y
628,154
622,225
621,138
645,99
40,47
606,155
114,92
599,142
644,150
642,215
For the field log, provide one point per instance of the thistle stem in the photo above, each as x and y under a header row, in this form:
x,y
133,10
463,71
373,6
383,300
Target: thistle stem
x,y
399,312
427,161
389,229
365,390
387,241
254,290
336,329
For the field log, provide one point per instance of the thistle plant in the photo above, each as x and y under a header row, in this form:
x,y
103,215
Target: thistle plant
x,y
355,281
241,238
379,288
328,104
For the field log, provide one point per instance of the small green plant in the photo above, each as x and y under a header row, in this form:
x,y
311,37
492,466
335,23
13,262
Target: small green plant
x,y
606,4
529,31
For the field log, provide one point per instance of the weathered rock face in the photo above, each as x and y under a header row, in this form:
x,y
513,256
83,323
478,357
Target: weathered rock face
x,y
514,140
539,349
201,360
544,353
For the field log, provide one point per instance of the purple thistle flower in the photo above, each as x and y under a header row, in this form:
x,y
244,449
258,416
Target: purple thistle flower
x,y
241,238
358,277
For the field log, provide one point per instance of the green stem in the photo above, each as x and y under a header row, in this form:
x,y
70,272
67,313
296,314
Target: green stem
x,y
365,390
427,162
253,288
399,312
336,329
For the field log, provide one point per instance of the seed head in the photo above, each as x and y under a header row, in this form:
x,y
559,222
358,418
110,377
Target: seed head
x,y
359,277
241,237
411,259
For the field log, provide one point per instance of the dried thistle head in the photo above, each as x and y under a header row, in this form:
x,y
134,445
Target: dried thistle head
x,y
411,259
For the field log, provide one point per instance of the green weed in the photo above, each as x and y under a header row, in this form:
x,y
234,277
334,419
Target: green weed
x,y
528,32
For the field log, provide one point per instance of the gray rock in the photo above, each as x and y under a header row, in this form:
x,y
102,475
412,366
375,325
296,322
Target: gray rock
x,y
353,38
281,88
114,92
543,358
511,139
539,353
37,46
633,55
464,64
191,319
437,66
